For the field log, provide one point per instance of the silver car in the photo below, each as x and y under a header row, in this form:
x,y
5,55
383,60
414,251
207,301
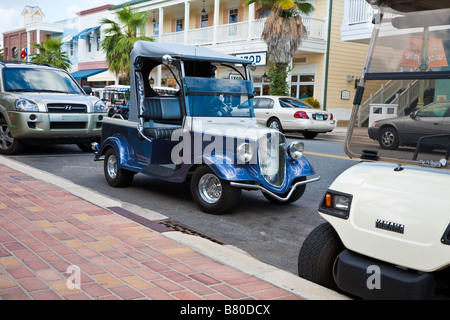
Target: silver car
x,y
44,104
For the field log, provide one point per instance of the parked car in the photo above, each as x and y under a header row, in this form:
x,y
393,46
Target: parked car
x,y
205,132
44,104
432,119
292,114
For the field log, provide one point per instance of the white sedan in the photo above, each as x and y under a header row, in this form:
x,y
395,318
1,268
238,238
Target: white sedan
x,y
292,114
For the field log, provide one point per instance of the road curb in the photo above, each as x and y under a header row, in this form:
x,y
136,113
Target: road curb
x,y
226,254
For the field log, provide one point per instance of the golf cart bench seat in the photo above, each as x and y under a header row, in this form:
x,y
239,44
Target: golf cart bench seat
x,y
162,113
161,133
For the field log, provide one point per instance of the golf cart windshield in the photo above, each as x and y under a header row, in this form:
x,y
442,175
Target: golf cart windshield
x,y
406,73
210,97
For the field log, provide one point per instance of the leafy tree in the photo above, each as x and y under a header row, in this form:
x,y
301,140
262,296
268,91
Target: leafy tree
x,y
51,52
120,38
283,32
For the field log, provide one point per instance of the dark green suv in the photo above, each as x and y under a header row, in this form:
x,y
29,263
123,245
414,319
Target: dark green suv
x,y
44,104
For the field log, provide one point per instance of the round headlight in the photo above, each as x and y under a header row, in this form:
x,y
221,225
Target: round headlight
x,y
295,150
26,105
245,152
100,106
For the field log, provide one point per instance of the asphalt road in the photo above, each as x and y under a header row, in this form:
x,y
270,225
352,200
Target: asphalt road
x,y
271,233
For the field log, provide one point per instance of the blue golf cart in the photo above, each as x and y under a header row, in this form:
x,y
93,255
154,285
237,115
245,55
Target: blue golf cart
x,y
204,131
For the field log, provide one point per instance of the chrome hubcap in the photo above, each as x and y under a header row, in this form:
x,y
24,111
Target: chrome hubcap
x,y
388,138
274,125
111,166
210,188
6,140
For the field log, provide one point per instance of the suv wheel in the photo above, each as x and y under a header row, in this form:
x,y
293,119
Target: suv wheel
x,y
8,144
212,194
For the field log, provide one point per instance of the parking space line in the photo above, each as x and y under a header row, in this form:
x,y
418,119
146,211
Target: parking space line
x,y
330,156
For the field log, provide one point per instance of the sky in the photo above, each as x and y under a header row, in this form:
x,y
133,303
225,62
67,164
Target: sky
x,y
54,10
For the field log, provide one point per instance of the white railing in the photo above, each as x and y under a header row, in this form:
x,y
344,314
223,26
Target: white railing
x,y
315,28
386,92
232,32
389,92
410,94
241,31
359,11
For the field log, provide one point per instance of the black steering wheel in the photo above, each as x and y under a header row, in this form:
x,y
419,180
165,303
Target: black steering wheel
x,y
220,106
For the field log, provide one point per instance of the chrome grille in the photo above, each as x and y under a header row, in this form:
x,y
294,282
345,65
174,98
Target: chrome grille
x,y
272,157
66,108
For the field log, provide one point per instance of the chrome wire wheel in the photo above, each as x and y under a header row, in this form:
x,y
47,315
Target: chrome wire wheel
x,y
111,166
210,188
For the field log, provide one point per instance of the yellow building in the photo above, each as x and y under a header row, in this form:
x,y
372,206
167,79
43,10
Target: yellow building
x,y
324,67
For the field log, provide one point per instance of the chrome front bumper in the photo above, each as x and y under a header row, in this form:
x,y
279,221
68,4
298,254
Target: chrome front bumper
x,y
258,187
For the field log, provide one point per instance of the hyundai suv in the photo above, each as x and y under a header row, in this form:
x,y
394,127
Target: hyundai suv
x,y
43,104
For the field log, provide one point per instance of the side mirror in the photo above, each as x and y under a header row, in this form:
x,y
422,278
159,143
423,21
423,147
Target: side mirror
x,y
87,89
167,59
413,115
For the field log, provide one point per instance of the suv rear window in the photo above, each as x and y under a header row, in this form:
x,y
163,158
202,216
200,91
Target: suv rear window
x,y
39,80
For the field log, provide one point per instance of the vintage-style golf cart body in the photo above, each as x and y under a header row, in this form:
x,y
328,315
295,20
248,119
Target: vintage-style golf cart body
x,y
204,131
387,234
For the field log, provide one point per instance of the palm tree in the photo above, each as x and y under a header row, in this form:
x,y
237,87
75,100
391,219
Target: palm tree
x,y
120,38
51,52
283,32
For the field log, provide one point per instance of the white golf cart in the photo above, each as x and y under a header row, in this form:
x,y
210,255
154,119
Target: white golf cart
x,y
387,229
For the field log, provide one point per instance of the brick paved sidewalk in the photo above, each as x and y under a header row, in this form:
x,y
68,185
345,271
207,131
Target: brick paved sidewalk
x,y
46,231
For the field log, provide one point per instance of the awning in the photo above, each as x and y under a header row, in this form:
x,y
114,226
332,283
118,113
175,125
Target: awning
x,y
107,75
67,39
84,34
83,74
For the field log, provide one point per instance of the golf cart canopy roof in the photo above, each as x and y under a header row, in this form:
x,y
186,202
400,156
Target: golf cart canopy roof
x,y
156,50
411,5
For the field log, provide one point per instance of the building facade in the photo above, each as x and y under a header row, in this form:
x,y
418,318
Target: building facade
x,y
35,30
91,68
325,67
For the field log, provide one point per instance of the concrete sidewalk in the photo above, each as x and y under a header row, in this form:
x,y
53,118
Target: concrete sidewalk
x,y
60,241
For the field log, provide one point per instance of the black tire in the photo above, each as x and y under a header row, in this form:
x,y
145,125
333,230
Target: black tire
x,y
388,138
309,135
219,200
297,194
115,176
274,123
8,144
318,255
85,147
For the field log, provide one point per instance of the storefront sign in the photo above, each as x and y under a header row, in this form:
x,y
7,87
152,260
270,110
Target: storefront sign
x,y
258,58
413,52
234,76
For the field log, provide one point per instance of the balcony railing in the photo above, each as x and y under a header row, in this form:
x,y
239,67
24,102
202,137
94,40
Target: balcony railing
x,y
359,11
241,31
